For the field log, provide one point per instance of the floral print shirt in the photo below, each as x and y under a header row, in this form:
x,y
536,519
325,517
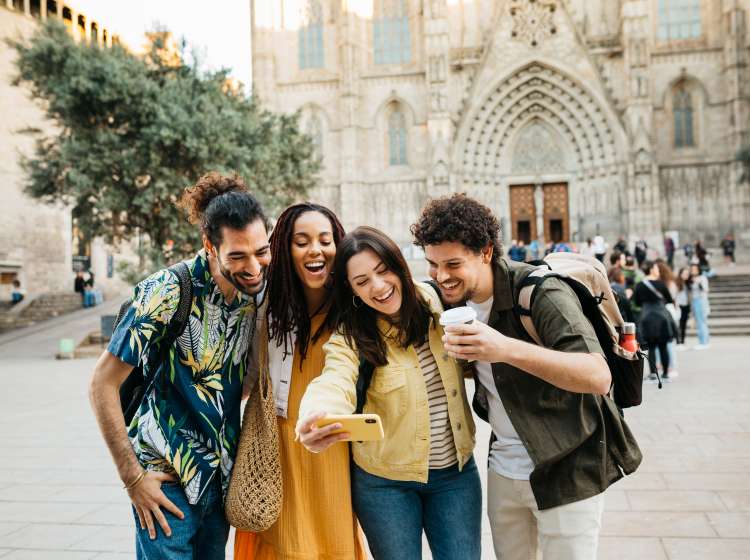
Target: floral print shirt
x,y
189,422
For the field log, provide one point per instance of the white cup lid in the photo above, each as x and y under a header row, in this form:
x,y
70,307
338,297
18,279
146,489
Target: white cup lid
x,y
458,316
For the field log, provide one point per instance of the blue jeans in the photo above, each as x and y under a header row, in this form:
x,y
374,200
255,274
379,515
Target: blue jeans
x,y
394,513
202,535
89,299
701,320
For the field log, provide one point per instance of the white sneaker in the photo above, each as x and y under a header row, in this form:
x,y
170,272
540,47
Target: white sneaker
x,y
701,347
681,347
673,373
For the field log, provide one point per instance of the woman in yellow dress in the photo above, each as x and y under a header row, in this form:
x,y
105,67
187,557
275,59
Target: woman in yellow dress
x,y
317,521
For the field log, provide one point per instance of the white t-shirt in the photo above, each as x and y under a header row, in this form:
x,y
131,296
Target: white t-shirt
x,y
508,456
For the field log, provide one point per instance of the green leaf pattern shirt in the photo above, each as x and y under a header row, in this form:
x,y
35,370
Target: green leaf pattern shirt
x,y
189,422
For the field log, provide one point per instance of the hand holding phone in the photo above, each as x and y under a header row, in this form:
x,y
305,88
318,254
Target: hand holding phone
x,y
314,438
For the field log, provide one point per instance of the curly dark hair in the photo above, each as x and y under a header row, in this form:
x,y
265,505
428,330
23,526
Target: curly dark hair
x,y
458,218
287,307
218,200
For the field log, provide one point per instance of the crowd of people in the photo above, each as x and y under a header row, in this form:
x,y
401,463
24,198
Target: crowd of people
x,y
651,295
312,305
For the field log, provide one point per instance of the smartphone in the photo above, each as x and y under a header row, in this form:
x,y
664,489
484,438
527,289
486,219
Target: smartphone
x,y
361,427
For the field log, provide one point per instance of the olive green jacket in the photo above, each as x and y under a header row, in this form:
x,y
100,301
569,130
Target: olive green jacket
x,y
579,443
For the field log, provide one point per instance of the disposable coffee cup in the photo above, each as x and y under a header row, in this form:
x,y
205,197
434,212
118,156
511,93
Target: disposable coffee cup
x,y
458,316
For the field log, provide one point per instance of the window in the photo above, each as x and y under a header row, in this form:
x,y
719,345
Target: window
x,y
682,107
397,138
679,19
315,131
310,37
391,36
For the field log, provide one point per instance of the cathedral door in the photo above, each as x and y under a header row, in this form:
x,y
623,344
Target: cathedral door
x,y
556,218
523,212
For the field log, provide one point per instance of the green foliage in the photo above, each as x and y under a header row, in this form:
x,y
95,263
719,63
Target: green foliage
x,y
132,133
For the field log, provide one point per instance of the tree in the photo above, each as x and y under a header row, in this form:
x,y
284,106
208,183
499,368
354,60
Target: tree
x,y
132,132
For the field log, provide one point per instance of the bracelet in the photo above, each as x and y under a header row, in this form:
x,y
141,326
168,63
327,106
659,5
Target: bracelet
x,y
136,482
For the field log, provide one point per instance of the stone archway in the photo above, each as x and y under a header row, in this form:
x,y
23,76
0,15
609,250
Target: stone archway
x,y
534,101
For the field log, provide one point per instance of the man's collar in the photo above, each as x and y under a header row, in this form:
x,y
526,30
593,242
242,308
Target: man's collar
x,y
502,291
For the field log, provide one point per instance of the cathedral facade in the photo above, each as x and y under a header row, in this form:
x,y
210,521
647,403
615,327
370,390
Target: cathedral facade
x,y
569,118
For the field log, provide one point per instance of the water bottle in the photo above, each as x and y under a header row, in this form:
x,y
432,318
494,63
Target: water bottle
x,y
627,340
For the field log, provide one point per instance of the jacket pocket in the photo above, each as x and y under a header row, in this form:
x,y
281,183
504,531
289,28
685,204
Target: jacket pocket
x,y
388,391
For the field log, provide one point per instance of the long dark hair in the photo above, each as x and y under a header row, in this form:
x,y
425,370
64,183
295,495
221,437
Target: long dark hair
x,y
359,322
287,308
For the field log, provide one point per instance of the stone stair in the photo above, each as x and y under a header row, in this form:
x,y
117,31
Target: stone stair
x,y
730,305
43,307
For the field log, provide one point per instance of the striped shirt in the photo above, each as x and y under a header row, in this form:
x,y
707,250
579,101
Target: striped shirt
x,y
442,446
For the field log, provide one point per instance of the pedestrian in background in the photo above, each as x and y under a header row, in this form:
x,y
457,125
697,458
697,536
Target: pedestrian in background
x,y
669,249
728,246
600,247
621,246
699,305
701,257
18,293
666,276
534,250
517,251
655,324
682,299
641,252
587,249
617,281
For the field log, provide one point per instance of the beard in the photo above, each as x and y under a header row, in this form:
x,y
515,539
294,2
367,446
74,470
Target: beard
x,y
236,280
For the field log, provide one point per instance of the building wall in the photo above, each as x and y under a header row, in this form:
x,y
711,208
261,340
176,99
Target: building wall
x,y
498,93
36,238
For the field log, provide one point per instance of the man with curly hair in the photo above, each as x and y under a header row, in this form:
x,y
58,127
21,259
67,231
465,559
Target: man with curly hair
x,y
556,442
176,455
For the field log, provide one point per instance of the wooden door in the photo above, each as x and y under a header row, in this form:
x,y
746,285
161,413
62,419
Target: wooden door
x,y
556,216
523,212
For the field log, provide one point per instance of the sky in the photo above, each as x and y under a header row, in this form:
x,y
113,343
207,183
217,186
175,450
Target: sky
x,y
220,32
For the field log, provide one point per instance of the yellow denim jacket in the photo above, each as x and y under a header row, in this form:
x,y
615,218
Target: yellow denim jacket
x,y
398,395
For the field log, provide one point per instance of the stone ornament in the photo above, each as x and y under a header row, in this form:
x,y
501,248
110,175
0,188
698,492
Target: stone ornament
x,y
533,20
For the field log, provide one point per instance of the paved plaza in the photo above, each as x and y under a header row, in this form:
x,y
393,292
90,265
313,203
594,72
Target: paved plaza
x,y
60,497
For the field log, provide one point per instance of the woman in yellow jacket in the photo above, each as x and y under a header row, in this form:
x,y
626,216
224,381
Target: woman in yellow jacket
x,y
299,320
421,476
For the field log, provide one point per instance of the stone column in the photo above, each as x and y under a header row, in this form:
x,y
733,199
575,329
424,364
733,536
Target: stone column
x,y
264,66
644,208
43,9
74,27
539,206
439,124
27,7
351,59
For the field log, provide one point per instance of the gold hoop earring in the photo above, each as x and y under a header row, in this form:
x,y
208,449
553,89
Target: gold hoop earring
x,y
354,302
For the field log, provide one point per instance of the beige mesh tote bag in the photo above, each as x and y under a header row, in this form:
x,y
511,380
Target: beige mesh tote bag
x,y
254,498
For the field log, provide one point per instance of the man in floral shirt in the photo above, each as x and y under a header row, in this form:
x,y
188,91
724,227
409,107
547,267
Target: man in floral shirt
x,y
176,458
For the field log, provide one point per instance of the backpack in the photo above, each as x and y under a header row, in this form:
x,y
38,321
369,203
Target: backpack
x,y
587,277
136,386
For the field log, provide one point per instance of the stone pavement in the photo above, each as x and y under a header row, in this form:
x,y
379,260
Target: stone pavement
x,y
60,497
